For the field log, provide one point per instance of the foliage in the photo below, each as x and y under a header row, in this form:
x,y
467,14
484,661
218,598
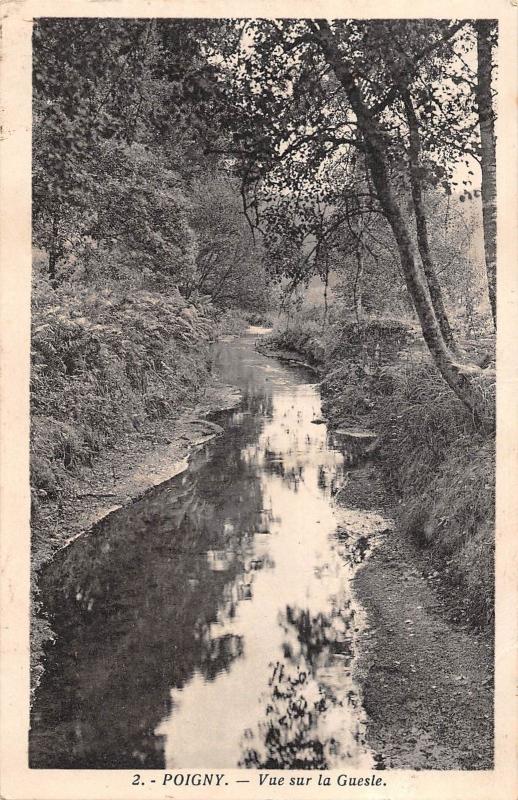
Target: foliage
x,y
232,323
294,126
229,264
444,474
299,333
104,362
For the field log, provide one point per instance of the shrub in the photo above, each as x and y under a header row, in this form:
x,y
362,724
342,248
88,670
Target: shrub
x,y
301,334
103,362
232,322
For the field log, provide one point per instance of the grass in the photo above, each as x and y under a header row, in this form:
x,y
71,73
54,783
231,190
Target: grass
x,y
105,362
442,469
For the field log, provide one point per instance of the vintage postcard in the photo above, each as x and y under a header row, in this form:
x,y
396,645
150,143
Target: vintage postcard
x,y
259,303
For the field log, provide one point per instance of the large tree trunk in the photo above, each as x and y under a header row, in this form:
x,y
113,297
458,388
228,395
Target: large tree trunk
x,y
488,152
458,377
414,152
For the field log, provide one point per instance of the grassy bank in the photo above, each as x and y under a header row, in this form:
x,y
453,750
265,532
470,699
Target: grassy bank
x,y
443,471
104,363
438,468
112,371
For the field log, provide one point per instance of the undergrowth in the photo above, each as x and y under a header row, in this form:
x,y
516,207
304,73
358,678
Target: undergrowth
x,y
104,362
300,334
443,471
232,322
235,321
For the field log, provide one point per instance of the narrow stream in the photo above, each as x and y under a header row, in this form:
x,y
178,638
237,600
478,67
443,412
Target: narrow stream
x,y
211,624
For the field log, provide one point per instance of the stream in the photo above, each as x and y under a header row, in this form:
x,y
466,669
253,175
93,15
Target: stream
x,y
212,623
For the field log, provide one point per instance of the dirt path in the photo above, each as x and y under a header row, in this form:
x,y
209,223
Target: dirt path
x,y
427,682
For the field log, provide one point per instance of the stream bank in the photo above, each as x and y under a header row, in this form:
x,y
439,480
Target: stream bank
x,y
427,677
236,572
427,681
142,459
427,665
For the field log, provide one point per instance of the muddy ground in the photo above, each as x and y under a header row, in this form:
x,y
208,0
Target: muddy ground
x,y
427,680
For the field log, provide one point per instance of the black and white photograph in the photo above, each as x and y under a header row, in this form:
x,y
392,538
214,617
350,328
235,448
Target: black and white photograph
x,y
263,379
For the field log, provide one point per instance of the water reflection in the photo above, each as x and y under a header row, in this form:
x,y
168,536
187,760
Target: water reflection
x,y
307,723
210,624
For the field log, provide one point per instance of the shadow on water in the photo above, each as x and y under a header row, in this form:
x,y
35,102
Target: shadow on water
x,y
230,575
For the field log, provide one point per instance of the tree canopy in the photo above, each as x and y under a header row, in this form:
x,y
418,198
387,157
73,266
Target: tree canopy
x,y
223,154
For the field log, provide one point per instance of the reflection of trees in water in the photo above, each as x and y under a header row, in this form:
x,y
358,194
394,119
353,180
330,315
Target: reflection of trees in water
x,y
291,734
218,654
257,404
330,479
322,478
318,635
133,604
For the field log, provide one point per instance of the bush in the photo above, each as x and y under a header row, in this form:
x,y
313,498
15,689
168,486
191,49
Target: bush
x,y
103,362
301,334
376,341
232,323
260,318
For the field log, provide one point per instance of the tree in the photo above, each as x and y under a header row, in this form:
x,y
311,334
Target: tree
x,y
114,127
312,90
415,168
373,137
85,93
486,30
140,218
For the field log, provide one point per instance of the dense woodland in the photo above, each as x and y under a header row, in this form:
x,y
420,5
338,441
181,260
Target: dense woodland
x,y
336,178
